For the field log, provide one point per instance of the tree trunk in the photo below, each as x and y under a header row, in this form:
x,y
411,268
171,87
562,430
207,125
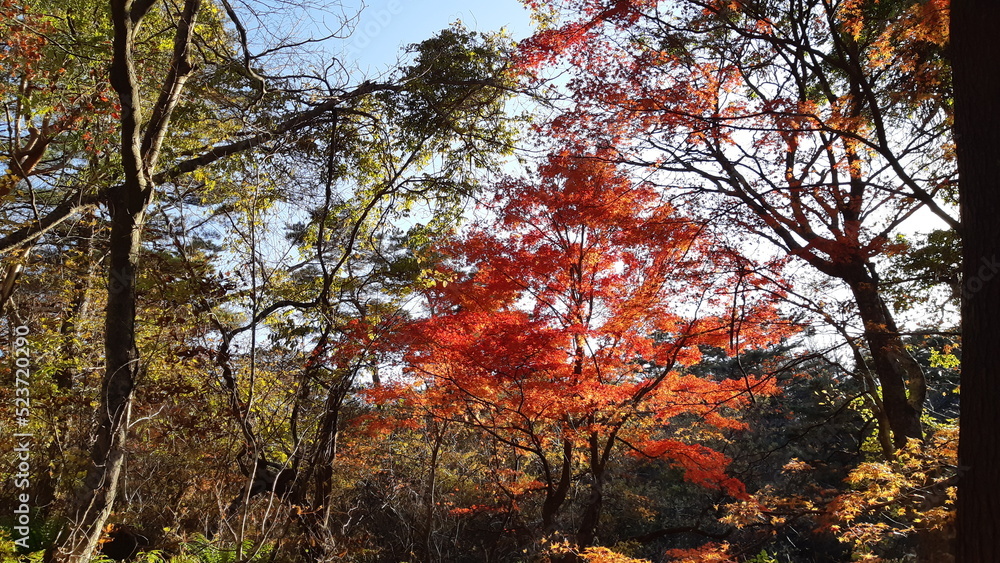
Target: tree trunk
x,y
903,385
555,496
587,532
127,204
319,474
96,498
9,279
427,541
975,52
79,308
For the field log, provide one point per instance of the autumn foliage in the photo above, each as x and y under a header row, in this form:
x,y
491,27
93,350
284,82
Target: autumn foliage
x,y
564,320
302,315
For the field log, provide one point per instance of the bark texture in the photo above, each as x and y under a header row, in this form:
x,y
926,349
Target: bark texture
x,y
903,386
975,51
127,203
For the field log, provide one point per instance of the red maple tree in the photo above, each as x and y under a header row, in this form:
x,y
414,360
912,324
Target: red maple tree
x,y
563,331
817,126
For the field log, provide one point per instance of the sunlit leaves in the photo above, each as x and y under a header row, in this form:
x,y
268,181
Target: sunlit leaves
x,y
567,311
913,493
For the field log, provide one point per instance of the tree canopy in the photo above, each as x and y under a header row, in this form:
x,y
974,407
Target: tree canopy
x,y
647,285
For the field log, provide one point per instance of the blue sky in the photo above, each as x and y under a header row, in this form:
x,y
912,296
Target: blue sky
x,y
386,26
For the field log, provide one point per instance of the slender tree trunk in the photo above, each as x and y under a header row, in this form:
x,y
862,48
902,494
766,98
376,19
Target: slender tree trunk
x,y
902,380
975,52
427,541
587,532
97,495
9,279
96,498
556,496
319,473
127,204
79,308
326,440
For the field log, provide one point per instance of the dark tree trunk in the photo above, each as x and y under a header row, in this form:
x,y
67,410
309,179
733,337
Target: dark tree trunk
x,y
427,531
9,279
319,474
556,496
96,498
587,532
903,385
127,203
975,52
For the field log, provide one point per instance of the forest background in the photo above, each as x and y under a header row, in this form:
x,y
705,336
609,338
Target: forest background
x,y
641,286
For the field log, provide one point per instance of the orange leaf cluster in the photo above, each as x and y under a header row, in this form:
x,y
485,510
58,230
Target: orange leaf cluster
x,y
569,316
